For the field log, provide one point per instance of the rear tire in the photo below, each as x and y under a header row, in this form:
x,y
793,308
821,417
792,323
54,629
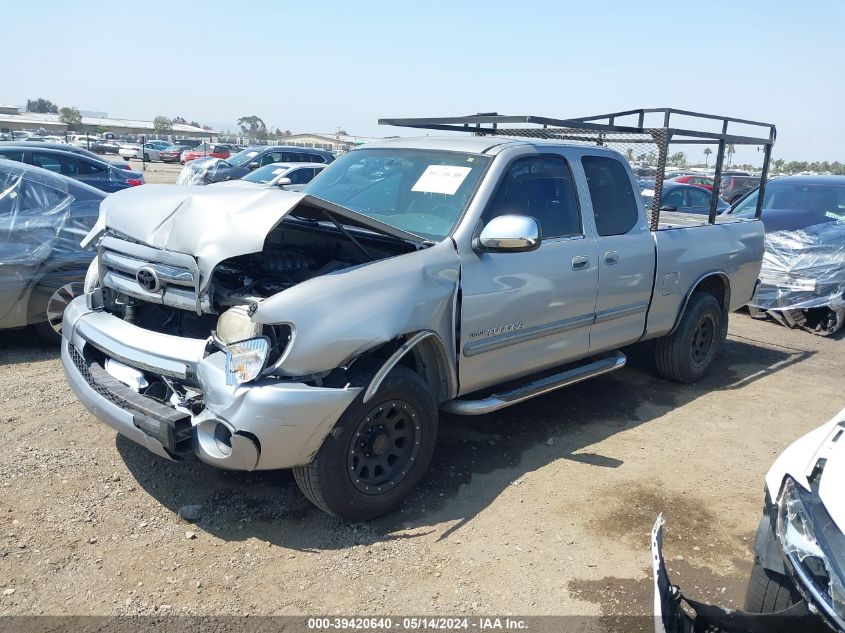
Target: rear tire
x,y
377,452
686,354
769,592
146,157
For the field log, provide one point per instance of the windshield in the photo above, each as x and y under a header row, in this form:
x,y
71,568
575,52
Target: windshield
x,y
424,192
242,158
826,200
265,174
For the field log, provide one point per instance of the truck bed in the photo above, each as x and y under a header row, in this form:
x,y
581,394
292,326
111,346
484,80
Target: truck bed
x,y
688,249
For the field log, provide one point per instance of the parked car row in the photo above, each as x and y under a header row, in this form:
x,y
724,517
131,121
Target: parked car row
x,y
92,171
73,149
208,170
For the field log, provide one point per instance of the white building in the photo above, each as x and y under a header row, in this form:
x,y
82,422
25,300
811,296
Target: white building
x,y
11,118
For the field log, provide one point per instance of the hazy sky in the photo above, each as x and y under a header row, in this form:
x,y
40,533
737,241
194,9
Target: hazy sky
x,y
317,66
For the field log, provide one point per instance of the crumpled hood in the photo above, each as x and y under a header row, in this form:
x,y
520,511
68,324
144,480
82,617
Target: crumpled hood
x,y
798,461
213,223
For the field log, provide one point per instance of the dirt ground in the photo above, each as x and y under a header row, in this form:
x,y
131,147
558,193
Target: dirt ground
x,y
543,508
158,173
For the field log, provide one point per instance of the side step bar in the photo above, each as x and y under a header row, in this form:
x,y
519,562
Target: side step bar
x,y
497,401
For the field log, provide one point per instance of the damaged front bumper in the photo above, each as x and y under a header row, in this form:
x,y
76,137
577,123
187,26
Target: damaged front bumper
x,y
265,424
671,617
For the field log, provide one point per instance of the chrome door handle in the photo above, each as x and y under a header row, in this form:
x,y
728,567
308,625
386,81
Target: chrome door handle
x,y
611,258
580,262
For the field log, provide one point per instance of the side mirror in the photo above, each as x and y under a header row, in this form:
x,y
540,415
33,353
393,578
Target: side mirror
x,y
281,182
669,207
253,165
509,233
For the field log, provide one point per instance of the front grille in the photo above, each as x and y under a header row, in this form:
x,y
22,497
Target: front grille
x,y
83,367
157,419
151,274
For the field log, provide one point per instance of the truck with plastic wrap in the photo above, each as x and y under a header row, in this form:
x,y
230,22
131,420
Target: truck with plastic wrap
x,y
324,330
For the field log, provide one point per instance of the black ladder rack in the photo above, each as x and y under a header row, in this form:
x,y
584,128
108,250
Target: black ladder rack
x,y
623,129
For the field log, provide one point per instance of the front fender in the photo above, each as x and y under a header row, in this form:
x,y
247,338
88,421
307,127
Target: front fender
x,y
340,315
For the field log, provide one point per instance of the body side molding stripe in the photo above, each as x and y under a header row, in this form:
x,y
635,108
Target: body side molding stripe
x,y
558,327
528,334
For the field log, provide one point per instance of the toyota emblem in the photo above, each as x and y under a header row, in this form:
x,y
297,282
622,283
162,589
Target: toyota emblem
x,y
148,279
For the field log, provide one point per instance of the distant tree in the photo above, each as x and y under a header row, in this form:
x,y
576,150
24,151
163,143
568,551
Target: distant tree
x,y
731,150
707,152
195,124
288,133
253,126
678,158
180,120
342,132
101,129
70,117
162,125
43,106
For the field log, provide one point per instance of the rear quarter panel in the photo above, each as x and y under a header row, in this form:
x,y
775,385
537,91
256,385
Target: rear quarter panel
x,y
686,255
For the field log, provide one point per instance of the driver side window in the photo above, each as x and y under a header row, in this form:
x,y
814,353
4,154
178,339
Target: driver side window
x,y
540,187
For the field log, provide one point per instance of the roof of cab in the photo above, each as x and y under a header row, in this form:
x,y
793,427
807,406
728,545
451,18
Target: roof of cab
x,y
472,144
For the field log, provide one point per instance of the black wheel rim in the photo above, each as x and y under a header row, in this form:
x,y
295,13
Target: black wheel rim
x,y
702,341
384,447
58,301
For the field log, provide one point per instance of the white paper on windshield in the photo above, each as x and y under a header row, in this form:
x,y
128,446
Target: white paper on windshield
x,y
279,170
441,179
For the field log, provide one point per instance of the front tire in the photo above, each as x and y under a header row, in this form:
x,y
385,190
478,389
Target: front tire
x,y
769,592
686,354
377,452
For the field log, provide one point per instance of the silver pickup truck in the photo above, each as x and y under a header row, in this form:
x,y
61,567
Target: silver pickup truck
x,y
323,330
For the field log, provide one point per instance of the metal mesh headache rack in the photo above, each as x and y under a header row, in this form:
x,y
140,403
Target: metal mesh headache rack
x,y
643,136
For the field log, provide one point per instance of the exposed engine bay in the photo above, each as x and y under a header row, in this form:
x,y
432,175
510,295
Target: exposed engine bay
x,y
294,252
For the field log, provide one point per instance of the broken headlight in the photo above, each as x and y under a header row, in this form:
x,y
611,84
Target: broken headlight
x,y
245,360
235,325
814,545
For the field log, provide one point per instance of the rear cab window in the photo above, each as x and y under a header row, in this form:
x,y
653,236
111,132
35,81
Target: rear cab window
x,y
614,203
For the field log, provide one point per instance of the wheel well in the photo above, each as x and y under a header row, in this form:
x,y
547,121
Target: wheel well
x,y
715,284
428,358
718,286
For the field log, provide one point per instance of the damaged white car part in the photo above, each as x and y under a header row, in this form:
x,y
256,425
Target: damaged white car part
x,y
323,331
797,582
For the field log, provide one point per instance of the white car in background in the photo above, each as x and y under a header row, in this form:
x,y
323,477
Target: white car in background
x,y
133,150
287,176
799,554
83,141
